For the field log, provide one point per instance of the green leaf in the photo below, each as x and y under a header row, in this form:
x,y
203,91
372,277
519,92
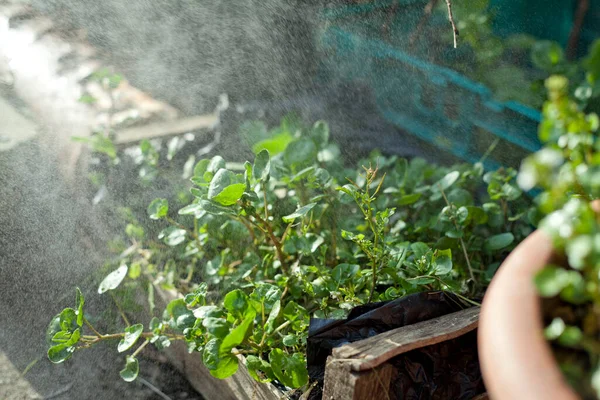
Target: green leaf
x,y
132,334
215,209
224,188
68,320
274,145
194,209
172,236
237,303
238,334
300,153
498,242
158,208
409,199
419,249
265,293
200,169
551,280
262,166
220,365
320,133
290,340
546,55
273,315
135,270
230,195
289,370
477,215
60,353
113,280
53,328
218,327
443,265
197,296
578,249
301,212
178,315
344,272
259,369
447,181
131,370
79,302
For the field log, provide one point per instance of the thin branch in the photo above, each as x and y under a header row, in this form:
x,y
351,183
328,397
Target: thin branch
x,y
451,18
582,9
91,327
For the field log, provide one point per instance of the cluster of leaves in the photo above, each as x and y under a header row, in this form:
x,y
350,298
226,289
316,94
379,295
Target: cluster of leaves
x,y
262,246
568,171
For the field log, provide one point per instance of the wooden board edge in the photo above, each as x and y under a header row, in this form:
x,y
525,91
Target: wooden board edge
x,y
363,362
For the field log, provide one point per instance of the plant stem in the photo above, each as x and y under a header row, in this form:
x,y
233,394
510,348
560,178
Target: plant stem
x,y
462,242
137,351
276,242
120,309
91,327
264,190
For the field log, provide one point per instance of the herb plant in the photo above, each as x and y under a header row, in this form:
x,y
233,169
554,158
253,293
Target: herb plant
x,y
568,171
254,249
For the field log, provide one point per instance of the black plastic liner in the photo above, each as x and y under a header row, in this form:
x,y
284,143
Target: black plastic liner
x,y
448,370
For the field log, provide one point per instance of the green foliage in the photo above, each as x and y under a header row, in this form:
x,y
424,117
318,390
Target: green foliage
x,y
568,171
256,249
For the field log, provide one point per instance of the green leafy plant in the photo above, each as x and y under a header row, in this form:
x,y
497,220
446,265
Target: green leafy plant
x,y
568,171
256,248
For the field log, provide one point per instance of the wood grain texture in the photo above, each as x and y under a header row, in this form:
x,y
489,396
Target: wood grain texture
x,y
374,351
343,384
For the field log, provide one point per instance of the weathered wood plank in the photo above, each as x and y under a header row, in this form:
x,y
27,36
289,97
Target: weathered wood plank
x,y
372,352
160,129
341,383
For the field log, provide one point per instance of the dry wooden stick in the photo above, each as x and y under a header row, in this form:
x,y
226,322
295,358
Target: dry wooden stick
x,y
451,18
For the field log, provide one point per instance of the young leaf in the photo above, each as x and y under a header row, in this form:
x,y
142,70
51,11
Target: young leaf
x,y
498,242
230,195
219,364
301,212
132,334
237,303
224,188
259,369
68,320
289,370
131,370
262,166
172,236
344,272
158,208
300,152
269,325
79,301
238,334
113,280
551,281
60,353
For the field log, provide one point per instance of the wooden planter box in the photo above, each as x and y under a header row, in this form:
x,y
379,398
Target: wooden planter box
x,y
357,371
362,370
